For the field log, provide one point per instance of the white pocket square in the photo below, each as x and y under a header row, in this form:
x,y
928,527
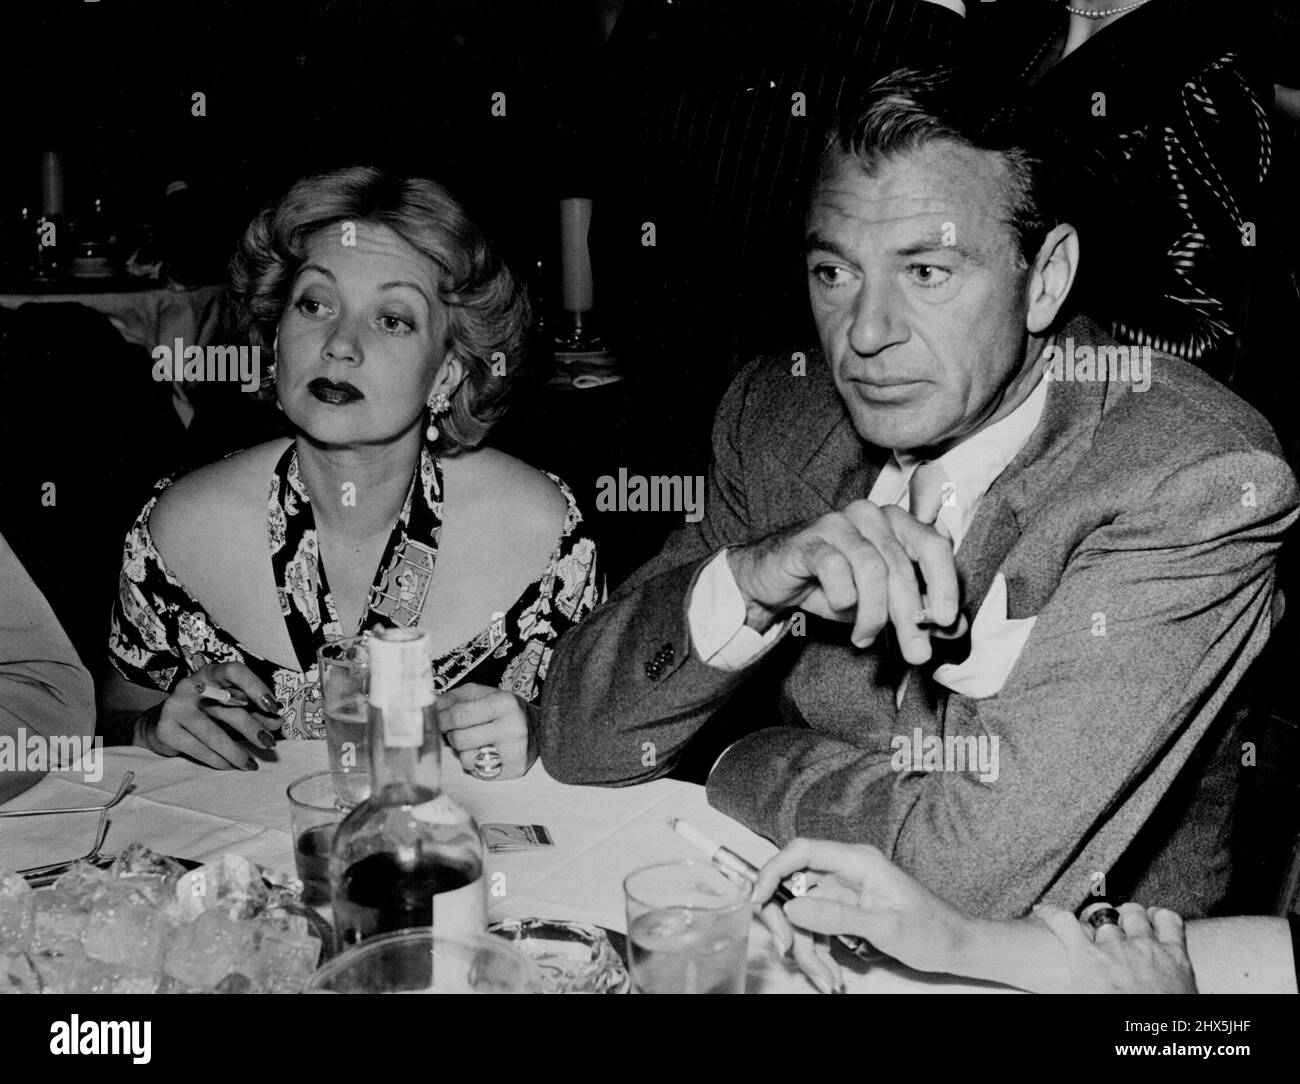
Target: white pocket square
x,y
995,645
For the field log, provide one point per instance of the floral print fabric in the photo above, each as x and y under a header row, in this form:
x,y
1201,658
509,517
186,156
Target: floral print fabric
x,y
157,624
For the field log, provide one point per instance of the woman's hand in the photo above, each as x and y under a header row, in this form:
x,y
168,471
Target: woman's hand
x,y
186,723
858,891
1145,954
472,716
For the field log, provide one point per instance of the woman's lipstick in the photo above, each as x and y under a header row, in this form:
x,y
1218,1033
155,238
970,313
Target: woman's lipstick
x,y
335,394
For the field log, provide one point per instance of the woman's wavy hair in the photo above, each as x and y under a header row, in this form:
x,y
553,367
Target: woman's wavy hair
x,y
487,307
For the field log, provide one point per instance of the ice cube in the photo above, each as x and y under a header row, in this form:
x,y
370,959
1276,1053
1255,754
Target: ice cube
x,y
151,887
58,920
98,977
18,975
205,951
233,885
235,983
287,954
58,970
82,884
137,860
169,985
125,927
12,886
15,912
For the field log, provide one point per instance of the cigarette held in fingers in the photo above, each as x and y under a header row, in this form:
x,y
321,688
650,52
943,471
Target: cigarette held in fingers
x,y
925,616
223,696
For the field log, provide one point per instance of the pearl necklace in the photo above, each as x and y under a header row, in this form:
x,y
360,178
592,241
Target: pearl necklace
x,y
1087,14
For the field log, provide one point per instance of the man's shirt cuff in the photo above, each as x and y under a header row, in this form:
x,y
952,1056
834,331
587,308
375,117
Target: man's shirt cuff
x,y
717,620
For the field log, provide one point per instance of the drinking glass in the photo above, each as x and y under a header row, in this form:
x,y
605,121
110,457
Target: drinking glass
x,y
315,811
418,961
344,678
687,930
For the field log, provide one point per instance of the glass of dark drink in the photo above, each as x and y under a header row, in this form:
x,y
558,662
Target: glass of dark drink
x,y
315,812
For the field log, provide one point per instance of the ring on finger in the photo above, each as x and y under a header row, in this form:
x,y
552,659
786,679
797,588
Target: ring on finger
x,y
1098,915
487,762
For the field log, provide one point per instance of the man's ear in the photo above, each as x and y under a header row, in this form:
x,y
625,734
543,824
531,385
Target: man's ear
x,y
1051,277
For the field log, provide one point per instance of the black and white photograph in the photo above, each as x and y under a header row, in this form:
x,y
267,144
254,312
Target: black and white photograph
x,y
651,497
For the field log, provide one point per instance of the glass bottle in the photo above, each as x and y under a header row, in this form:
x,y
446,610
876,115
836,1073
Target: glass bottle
x,y
409,855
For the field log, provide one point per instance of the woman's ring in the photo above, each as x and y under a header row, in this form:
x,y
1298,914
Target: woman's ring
x,y
487,762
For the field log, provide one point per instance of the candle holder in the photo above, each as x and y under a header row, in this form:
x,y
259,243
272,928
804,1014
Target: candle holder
x,y
577,334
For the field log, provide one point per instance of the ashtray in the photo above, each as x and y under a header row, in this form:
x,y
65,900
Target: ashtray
x,y
572,957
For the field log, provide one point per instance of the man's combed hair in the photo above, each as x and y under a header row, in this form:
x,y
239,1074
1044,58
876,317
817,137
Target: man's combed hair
x,y
908,109
487,307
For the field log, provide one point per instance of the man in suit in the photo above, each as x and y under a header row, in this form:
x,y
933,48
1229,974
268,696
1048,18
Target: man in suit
x,y
1005,599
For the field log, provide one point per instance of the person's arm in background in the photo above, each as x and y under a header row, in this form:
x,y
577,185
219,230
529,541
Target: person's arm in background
x,y
44,688
1214,163
858,891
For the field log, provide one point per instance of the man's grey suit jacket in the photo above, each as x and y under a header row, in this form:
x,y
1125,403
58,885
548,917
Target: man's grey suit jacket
x,y
1140,528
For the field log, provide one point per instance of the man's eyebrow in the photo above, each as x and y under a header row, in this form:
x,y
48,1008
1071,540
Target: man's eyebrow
x,y
936,244
816,242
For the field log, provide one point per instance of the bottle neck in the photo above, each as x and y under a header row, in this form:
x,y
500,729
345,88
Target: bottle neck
x,y
405,748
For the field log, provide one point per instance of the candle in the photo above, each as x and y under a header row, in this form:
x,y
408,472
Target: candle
x,y
575,261
51,184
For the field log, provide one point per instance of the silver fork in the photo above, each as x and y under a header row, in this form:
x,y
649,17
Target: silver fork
x,y
121,793
101,833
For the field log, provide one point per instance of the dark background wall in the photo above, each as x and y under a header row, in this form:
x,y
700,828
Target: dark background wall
x,y
292,86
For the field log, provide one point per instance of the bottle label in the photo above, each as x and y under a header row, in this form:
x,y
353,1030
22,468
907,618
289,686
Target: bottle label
x,y
403,727
401,673
462,910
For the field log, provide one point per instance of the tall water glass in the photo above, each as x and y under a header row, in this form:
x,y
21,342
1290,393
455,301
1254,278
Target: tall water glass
x,y
344,671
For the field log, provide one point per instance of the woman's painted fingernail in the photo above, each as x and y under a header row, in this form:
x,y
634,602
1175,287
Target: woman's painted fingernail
x,y
265,740
251,766
271,703
821,984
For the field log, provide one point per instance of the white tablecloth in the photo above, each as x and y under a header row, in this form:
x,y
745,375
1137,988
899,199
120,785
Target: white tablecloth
x,y
601,834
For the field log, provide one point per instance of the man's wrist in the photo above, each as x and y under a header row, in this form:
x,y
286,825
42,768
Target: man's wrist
x,y
757,616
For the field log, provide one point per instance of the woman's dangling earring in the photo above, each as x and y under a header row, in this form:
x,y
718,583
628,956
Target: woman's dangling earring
x,y
438,404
